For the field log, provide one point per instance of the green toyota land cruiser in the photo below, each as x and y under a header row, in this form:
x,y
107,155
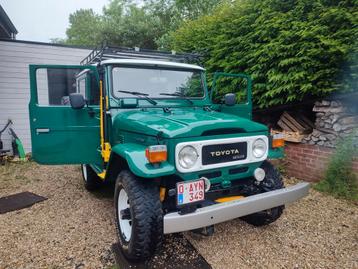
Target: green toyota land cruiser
x,y
182,157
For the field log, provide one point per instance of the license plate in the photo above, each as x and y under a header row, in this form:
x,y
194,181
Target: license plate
x,y
190,192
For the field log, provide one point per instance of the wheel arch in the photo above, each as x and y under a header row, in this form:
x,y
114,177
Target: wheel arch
x,y
132,157
115,165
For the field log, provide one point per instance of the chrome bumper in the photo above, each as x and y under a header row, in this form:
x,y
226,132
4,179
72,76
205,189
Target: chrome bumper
x,y
209,215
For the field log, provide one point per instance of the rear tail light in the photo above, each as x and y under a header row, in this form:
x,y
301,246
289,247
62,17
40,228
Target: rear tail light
x,y
156,153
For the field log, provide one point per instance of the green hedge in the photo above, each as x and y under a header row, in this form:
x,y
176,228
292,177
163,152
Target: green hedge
x,y
292,49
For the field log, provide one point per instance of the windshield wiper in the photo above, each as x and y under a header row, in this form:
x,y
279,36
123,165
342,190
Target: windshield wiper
x,y
141,94
178,95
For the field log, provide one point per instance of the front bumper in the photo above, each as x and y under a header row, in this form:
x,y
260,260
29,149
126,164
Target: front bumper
x,y
209,215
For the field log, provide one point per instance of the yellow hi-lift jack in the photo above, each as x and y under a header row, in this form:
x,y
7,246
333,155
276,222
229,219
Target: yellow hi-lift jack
x,y
105,146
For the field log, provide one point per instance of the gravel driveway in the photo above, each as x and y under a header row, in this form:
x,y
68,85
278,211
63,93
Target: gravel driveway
x,y
317,232
71,229
75,229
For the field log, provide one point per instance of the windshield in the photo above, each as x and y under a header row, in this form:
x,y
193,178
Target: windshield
x,y
157,83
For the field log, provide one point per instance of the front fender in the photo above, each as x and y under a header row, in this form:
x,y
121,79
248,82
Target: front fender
x,y
276,153
134,154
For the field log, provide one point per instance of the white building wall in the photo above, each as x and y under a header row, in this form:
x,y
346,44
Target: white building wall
x,y
15,57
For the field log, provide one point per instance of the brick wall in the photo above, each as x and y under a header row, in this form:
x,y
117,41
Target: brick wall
x,y
308,162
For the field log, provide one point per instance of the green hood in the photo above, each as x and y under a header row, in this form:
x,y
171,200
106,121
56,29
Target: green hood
x,y
183,122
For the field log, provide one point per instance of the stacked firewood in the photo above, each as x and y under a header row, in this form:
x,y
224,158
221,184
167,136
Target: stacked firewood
x,y
294,126
334,120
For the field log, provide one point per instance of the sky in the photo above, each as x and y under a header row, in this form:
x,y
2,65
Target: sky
x,y
41,20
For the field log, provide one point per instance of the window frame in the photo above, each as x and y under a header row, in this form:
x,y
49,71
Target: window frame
x,y
33,69
202,81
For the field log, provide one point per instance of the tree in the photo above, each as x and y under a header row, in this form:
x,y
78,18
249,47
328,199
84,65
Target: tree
x,y
85,28
193,9
124,23
293,50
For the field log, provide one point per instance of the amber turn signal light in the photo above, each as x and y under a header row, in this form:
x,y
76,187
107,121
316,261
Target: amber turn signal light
x,y
156,154
278,141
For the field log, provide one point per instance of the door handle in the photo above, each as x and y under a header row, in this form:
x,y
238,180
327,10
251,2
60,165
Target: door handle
x,y
42,130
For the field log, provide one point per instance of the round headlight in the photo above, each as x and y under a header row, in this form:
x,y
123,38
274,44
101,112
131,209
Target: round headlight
x,y
259,148
187,157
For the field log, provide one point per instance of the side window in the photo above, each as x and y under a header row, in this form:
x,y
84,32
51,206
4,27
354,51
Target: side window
x,y
93,97
87,85
54,85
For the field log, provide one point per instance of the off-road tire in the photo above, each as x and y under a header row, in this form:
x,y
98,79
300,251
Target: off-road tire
x,y
91,180
146,216
272,181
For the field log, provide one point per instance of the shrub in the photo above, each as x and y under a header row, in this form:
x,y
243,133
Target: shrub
x,y
339,179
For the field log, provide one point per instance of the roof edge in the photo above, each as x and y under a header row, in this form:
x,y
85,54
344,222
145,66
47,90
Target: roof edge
x,y
45,43
7,20
150,62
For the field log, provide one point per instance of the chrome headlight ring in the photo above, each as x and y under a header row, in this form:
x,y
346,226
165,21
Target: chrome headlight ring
x,y
187,157
259,148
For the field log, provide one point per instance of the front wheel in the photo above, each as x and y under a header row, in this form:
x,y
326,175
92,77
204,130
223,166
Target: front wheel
x,y
272,181
138,216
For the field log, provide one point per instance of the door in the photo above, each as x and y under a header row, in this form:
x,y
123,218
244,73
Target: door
x,y
240,85
60,134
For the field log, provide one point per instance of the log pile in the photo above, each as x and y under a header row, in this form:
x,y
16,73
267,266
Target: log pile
x,y
334,120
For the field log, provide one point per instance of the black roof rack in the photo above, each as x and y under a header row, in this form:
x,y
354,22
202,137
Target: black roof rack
x,y
107,52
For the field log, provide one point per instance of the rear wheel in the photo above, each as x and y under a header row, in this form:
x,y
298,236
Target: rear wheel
x,y
90,179
272,181
138,216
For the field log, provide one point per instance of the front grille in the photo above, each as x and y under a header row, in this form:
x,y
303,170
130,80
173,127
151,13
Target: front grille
x,y
212,154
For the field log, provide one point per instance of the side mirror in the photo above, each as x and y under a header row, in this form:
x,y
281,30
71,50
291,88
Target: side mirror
x,y
77,100
230,99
